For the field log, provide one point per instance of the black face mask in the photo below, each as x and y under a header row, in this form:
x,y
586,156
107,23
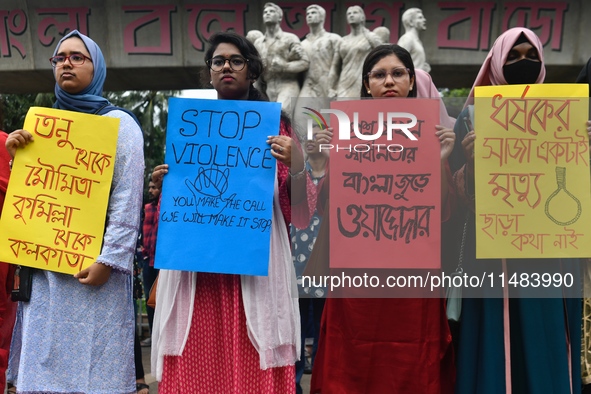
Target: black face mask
x,y
522,72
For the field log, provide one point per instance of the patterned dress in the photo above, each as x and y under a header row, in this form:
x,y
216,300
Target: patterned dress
x,y
218,356
302,242
74,338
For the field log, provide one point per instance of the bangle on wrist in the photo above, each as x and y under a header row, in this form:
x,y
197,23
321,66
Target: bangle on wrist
x,y
298,174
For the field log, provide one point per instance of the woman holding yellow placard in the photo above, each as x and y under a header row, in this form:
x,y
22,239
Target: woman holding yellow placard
x,y
75,335
518,344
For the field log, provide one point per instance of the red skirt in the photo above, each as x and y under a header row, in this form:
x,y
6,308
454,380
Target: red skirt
x,y
218,356
384,346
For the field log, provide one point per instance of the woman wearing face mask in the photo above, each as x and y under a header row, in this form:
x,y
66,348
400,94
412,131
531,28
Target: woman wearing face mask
x,y
542,334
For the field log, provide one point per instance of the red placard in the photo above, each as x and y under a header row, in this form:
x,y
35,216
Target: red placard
x,y
385,193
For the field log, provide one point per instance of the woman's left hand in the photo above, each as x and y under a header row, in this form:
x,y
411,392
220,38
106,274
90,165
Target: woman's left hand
x,y
281,148
447,138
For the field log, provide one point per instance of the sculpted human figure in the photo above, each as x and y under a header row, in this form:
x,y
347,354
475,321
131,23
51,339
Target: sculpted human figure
x,y
383,32
322,50
353,49
283,56
253,35
414,21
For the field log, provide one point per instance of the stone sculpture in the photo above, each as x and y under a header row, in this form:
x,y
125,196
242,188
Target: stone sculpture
x,y
414,21
353,49
283,56
322,49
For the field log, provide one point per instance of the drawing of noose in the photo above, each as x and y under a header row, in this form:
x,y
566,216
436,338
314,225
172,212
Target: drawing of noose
x,y
561,182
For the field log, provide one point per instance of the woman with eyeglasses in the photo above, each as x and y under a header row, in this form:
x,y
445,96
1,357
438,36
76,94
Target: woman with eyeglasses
x,y
393,345
76,334
219,333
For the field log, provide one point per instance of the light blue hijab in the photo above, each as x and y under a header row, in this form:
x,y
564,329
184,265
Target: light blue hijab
x,y
90,100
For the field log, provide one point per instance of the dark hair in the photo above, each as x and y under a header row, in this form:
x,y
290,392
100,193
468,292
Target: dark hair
x,y
380,52
247,50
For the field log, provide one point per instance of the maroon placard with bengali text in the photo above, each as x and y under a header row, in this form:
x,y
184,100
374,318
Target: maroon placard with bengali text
x,y
385,193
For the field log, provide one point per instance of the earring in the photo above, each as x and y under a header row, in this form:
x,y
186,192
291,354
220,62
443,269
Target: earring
x,y
411,88
211,83
368,91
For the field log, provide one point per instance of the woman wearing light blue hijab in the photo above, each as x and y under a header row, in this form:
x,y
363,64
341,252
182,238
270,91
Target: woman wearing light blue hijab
x,y
75,335
90,99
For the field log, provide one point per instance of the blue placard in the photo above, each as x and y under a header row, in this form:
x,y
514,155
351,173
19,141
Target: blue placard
x,y
217,198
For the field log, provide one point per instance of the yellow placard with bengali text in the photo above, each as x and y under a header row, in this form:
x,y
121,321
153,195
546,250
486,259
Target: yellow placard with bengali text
x,y
56,202
532,177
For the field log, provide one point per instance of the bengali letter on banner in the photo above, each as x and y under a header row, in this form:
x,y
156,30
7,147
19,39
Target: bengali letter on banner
x,y
56,203
217,198
385,194
532,178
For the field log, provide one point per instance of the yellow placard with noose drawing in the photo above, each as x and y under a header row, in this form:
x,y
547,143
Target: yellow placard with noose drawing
x,y
532,177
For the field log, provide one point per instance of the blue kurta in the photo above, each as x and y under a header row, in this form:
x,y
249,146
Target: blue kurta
x,y
75,338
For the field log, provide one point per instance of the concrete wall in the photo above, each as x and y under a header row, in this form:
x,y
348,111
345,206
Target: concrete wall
x,y
159,44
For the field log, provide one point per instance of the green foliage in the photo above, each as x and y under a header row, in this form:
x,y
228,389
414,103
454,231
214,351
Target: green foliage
x,y
463,92
454,100
13,108
151,109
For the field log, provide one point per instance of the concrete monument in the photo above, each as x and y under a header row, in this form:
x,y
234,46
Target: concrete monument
x,y
353,49
414,21
283,56
253,35
322,49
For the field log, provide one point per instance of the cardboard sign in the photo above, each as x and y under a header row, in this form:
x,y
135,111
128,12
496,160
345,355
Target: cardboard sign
x,y
217,198
56,203
532,183
385,193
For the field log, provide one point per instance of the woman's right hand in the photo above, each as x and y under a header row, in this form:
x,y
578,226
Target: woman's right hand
x,y
324,137
158,175
18,139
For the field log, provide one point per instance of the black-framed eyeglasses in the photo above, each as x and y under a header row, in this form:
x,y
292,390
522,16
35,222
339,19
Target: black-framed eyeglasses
x,y
217,63
398,75
76,59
